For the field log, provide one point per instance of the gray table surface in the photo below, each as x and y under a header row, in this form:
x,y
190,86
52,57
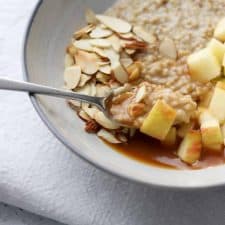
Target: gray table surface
x,y
143,205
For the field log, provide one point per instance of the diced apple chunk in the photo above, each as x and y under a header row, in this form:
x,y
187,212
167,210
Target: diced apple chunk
x,y
219,31
159,120
203,65
216,105
190,148
170,139
206,99
210,130
218,49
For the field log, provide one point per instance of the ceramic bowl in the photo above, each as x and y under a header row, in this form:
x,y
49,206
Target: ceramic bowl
x,y
48,32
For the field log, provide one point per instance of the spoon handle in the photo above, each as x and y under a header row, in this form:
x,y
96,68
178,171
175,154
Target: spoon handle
x,y
32,88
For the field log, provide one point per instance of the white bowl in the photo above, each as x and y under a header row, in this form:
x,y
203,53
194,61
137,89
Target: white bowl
x,y
49,31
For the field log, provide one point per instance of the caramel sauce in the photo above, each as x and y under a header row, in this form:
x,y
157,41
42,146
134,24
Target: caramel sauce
x,y
151,151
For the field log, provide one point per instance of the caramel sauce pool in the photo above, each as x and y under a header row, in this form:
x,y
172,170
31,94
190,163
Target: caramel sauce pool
x,y
150,151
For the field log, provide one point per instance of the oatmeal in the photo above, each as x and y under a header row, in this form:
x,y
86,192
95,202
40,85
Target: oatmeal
x,y
164,62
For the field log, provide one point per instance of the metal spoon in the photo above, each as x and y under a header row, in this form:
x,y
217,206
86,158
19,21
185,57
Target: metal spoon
x,y
101,102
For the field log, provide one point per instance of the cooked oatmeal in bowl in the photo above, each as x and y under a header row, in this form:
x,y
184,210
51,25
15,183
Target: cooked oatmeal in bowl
x,y
164,61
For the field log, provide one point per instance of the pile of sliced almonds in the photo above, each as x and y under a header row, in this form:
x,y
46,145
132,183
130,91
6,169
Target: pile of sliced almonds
x,y
99,58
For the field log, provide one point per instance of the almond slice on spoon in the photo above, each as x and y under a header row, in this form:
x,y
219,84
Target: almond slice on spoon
x,y
107,136
87,62
141,33
89,110
99,32
72,76
100,42
115,24
83,115
101,119
83,45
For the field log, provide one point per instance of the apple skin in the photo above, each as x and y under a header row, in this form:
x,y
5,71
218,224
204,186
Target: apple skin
x,y
190,148
159,120
203,65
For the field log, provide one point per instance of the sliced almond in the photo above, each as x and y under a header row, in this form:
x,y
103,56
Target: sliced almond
x,y
72,76
127,36
84,115
141,94
101,119
141,33
90,17
121,97
83,45
107,136
99,52
124,88
90,111
87,62
100,42
122,138
168,48
105,69
130,51
99,32
120,73
134,71
85,30
74,104
103,78
69,61
84,79
103,63
115,24
93,89
137,45
115,42
85,90
71,50
102,90
112,55
126,61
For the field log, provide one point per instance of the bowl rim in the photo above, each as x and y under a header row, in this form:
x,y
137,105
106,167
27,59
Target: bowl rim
x,y
95,163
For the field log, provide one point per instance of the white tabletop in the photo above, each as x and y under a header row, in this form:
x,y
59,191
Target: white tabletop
x,y
122,202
